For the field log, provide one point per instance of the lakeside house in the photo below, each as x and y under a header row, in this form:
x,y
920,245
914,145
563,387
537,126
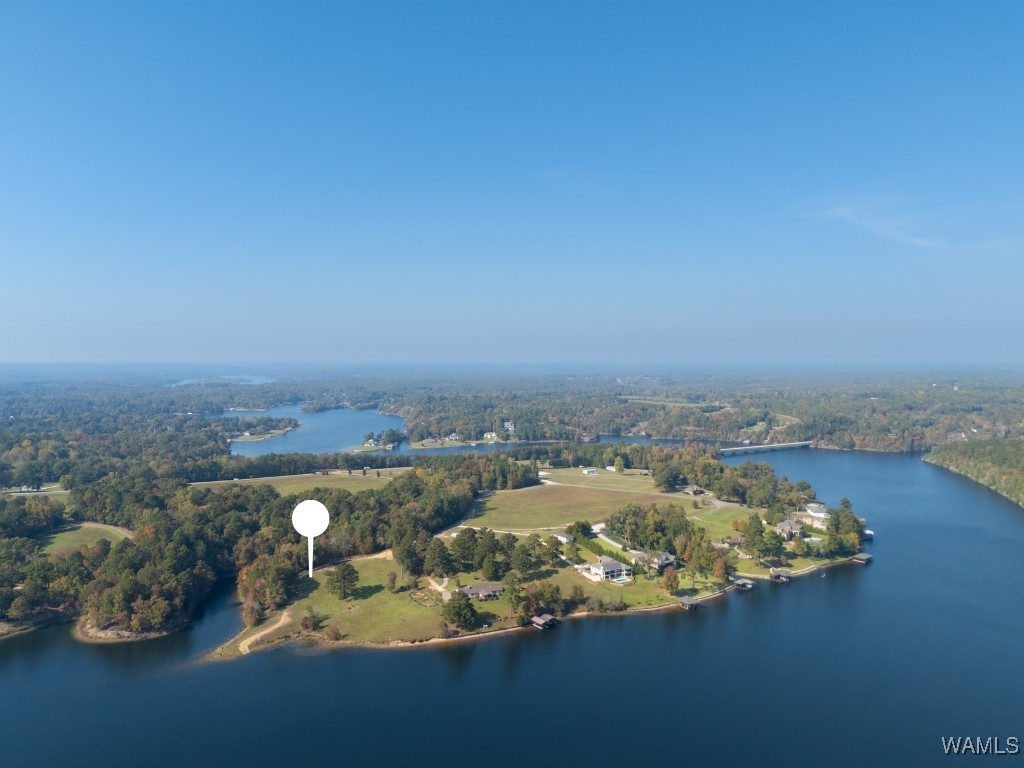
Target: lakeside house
x,y
483,591
789,530
656,560
510,426
588,471
733,541
608,568
490,435
816,514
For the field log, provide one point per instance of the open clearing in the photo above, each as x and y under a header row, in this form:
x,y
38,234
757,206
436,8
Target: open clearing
x,y
556,506
78,534
289,484
549,506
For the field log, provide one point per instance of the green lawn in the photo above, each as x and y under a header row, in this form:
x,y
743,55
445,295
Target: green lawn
x,y
718,522
631,480
289,484
549,506
374,615
78,534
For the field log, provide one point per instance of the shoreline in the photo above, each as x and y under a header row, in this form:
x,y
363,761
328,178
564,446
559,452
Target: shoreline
x,y
85,632
401,645
959,473
260,438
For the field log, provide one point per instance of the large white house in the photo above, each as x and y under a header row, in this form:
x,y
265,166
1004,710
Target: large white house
x,y
816,514
609,568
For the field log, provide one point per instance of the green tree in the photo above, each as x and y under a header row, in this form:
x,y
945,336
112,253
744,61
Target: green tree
x,y
464,548
522,557
460,611
552,551
341,582
753,535
771,544
438,561
620,466
670,580
513,584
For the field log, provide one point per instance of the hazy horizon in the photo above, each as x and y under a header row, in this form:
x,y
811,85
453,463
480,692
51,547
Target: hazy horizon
x,y
760,185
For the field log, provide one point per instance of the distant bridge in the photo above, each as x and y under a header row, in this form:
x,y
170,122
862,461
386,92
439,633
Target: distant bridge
x,y
760,448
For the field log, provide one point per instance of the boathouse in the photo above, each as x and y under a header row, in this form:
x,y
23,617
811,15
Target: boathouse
x,y
544,621
688,603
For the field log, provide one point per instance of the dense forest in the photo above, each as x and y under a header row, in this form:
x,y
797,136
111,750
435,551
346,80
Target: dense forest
x,y
998,464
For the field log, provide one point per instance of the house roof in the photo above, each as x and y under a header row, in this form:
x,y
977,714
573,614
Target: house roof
x,y
609,563
482,590
687,600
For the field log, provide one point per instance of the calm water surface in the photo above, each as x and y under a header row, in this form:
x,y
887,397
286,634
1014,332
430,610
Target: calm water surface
x,y
868,666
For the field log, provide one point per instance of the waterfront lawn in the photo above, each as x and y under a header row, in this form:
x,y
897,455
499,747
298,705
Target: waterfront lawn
x,y
718,522
291,484
78,534
549,506
374,615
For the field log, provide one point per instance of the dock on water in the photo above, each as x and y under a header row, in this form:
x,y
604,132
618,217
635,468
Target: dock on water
x,y
744,585
862,558
544,621
688,603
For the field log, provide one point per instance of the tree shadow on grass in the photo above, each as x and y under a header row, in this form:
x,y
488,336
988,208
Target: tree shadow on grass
x,y
487,618
544,573
304,588
369,590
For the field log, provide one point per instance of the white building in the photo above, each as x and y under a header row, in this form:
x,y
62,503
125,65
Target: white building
x,y
589,471
609,568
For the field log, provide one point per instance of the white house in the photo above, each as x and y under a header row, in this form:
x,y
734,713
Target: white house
x,y
609,568
564,538
589,471
490,435
510,426
816,514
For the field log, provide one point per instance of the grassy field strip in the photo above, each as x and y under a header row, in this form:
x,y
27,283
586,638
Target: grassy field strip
x,y
77,534
290,484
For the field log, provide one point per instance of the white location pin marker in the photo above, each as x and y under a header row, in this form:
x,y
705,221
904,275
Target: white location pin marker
x,y
310,518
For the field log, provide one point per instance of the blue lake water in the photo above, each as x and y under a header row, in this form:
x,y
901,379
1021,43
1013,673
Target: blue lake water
x,y
334,431
870,665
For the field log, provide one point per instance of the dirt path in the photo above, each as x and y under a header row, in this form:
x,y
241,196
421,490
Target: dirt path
x,y
246,644
445,594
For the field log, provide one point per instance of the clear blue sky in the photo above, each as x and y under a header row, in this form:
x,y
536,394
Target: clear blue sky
x,y
551,182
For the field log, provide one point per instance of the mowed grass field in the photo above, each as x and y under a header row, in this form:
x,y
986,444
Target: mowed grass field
x,y
556,506
718,522
289,484
548,506
631,480
373,615
78,534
